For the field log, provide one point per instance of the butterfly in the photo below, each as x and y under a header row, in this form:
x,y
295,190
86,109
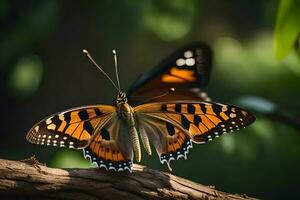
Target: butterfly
x,y
174,114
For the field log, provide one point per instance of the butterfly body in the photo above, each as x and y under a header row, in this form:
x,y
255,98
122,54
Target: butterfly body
x,y
111,135
126,113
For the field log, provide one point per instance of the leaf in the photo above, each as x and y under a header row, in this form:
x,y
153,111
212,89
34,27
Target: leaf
x,y
287,28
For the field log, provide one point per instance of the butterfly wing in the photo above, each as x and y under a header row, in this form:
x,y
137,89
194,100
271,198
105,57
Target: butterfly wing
x,y
111,148
72,128
188,121
171,142
189,67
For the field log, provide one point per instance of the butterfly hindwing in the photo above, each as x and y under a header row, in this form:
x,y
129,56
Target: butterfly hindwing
x,y
72,128
110,147
170,142
189,67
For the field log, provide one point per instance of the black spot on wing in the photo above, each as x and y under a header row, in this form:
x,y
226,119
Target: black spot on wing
x,y
191,109
88,127
164,107
228,111
178,108
98,112
217,109
83,115
67,117
202,106
105,134
197,120
185,122
170,128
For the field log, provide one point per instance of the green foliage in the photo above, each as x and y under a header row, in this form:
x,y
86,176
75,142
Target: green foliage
x,y
253,67
26,76
169,20
287,28
34,25
69,159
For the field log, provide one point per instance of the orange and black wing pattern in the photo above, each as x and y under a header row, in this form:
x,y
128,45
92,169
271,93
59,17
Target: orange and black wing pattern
x,y
203,121
194,121
170,142
72,128
110,147
189,67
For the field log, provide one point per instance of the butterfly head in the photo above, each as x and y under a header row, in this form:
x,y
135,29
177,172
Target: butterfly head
x,y
121,98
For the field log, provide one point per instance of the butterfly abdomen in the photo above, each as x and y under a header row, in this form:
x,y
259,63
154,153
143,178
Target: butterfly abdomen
x,y
126,114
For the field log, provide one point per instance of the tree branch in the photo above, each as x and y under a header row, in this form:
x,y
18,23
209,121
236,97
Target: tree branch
x,y
31,180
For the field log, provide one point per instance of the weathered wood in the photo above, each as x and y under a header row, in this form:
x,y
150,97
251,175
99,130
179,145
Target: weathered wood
x,y
30,180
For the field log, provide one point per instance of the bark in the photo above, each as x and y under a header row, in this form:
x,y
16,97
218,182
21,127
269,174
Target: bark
x,y
28,179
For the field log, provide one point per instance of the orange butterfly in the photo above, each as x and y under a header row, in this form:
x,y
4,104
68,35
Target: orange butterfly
x,y
110,134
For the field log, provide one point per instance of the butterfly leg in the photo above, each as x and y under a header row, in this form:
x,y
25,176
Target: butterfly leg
x,y
170,142
145,140
135,143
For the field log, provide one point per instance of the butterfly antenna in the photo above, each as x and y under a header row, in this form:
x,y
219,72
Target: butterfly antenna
x,y
93,61
116,68
156,97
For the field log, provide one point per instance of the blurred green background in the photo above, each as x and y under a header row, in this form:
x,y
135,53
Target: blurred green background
x,y
256,64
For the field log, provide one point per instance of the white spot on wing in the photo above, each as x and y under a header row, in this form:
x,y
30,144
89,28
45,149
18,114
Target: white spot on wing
x,y
224,108
62,144
180,62
51,127
49,120
36,129
188,54
190,62
61,116
232,115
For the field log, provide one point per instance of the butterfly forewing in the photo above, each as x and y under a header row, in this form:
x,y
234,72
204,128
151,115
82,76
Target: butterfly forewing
x,y
72,128
203,121
189,67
